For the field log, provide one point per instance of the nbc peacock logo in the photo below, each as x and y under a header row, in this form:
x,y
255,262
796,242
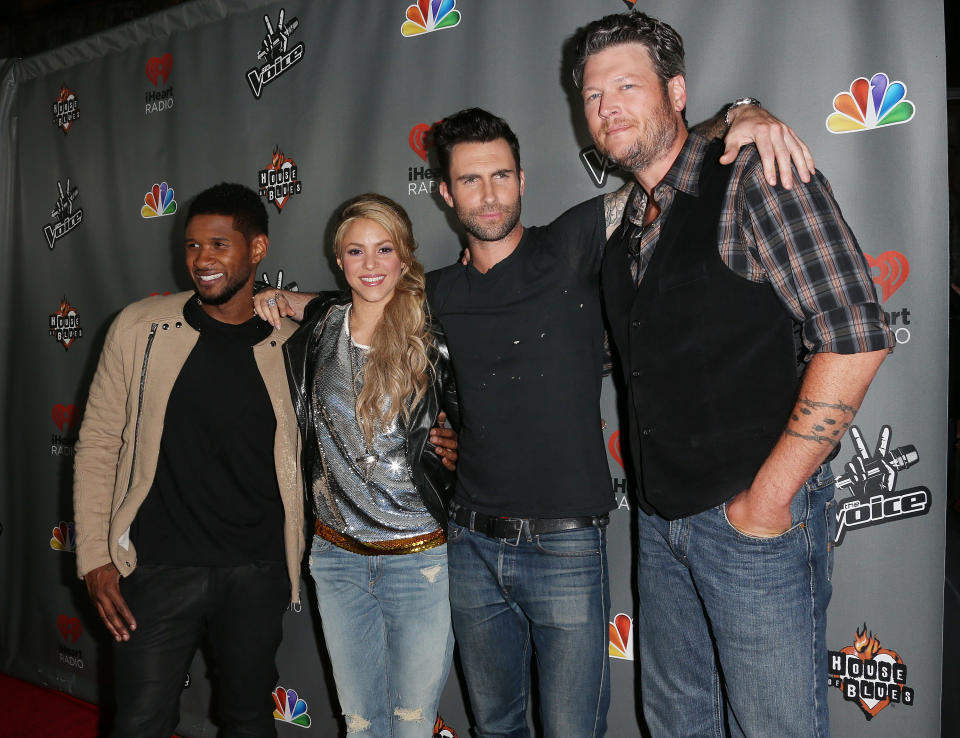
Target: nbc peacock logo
x,y
870,103
621,637
426,16
290,708
63,538
158,201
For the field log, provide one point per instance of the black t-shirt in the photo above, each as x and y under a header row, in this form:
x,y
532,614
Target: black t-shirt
x,y
215,500
526,342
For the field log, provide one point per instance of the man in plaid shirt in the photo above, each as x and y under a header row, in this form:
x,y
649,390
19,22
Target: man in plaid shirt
x,y
748,331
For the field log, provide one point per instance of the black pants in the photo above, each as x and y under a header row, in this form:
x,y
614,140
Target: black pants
x,y
240,609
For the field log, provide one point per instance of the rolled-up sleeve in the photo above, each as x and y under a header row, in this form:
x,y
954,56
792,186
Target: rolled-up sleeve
x,y
800,242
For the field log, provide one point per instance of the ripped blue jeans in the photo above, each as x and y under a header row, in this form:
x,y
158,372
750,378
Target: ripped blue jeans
x,y
386,623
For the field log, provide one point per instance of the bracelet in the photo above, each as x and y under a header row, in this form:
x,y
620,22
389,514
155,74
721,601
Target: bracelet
x,y
737,104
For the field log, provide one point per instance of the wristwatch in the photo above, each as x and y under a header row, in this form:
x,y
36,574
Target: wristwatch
x,y
737,104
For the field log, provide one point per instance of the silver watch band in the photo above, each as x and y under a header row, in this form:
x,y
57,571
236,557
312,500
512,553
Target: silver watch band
x,y
737,104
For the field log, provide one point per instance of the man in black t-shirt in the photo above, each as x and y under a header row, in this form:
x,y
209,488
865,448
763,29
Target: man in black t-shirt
x,y
187,490
526,545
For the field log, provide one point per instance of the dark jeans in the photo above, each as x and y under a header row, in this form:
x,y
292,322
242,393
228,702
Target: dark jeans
x,y
239,609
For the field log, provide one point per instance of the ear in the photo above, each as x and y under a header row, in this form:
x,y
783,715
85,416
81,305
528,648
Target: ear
x,y
258,248
445,193
677,92
523,182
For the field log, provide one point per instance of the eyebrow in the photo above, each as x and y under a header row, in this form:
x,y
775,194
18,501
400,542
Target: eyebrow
x,y
360,245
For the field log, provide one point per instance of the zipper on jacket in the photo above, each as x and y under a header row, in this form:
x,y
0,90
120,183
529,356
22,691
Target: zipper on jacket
x,y
136,428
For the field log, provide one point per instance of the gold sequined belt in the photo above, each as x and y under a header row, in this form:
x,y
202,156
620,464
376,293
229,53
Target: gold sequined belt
x,y
378,548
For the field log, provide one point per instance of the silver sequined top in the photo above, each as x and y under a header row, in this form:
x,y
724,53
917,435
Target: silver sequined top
x,y
368,502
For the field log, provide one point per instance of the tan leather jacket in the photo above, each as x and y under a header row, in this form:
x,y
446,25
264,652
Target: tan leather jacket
x,y
119,442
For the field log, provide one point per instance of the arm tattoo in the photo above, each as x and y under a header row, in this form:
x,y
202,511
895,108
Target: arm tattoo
x,y
715,127
614,203
817,421
810,404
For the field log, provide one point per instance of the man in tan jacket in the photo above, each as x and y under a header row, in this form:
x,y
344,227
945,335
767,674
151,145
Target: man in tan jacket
x,y
187,488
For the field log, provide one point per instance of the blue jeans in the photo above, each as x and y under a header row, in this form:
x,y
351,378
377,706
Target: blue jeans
x,y
549,594
386,623
732,627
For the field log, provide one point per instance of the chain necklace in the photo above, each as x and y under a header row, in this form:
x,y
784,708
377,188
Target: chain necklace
x,y
369,459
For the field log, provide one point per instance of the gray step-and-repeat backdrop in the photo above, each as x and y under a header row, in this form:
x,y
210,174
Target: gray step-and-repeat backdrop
x,y
104,142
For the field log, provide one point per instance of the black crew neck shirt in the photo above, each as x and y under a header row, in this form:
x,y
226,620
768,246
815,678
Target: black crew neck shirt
x,y
526,343
215,500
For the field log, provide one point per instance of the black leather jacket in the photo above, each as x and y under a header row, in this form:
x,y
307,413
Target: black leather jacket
x,y
431,478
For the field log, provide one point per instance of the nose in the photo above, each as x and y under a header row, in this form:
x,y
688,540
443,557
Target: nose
x,y
488,193
609,106
369,259
205,257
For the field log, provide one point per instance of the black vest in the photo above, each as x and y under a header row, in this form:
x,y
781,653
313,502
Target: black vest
x,y
709,357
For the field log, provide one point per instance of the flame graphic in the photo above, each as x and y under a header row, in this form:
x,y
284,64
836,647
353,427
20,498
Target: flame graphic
x,y
866,644
278,159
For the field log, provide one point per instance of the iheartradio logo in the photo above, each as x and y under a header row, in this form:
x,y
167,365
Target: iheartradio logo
x,y
70,628
159,68
64,416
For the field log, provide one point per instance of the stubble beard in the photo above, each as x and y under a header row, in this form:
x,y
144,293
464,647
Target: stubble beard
x,y
494,232
653,142
226,293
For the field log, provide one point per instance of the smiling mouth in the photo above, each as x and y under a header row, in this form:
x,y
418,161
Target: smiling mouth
x,y
372,281
205,278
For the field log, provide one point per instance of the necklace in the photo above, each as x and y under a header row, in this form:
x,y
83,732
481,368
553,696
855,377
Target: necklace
x,y
369,459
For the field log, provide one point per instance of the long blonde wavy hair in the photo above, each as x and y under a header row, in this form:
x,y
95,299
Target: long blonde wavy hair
x,y
398,363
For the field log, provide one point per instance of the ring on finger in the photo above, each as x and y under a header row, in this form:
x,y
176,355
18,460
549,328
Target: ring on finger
x,y
272,302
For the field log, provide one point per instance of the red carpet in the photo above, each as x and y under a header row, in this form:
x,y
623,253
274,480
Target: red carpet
x,y
29,711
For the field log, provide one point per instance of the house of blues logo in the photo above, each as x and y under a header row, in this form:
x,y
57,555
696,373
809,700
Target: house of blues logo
x,y
65,215
279,181
66,109
276,54
65,325
871,481
869,674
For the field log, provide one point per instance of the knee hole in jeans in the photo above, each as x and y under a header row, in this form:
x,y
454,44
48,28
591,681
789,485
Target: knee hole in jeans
x,y
356,723
409,714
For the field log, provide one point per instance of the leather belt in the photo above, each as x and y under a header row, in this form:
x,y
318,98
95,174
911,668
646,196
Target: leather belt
x,y
512,528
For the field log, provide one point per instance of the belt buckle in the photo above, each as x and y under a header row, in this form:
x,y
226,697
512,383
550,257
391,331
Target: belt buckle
x,y
519,530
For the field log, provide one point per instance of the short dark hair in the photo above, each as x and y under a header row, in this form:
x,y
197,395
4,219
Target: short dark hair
x,y
472,125
663,43
227,198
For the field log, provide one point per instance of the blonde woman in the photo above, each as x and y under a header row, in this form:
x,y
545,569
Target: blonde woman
x,y
369,374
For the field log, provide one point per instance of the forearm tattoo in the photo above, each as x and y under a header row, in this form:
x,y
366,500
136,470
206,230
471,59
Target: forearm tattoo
x,y
820,422
715,127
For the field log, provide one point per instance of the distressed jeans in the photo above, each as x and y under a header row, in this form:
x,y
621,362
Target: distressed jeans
x,y
545,597
386,624
732,627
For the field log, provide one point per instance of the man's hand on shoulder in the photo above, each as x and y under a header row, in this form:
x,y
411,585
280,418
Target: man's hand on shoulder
x,y
103,585
776,142
273,304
